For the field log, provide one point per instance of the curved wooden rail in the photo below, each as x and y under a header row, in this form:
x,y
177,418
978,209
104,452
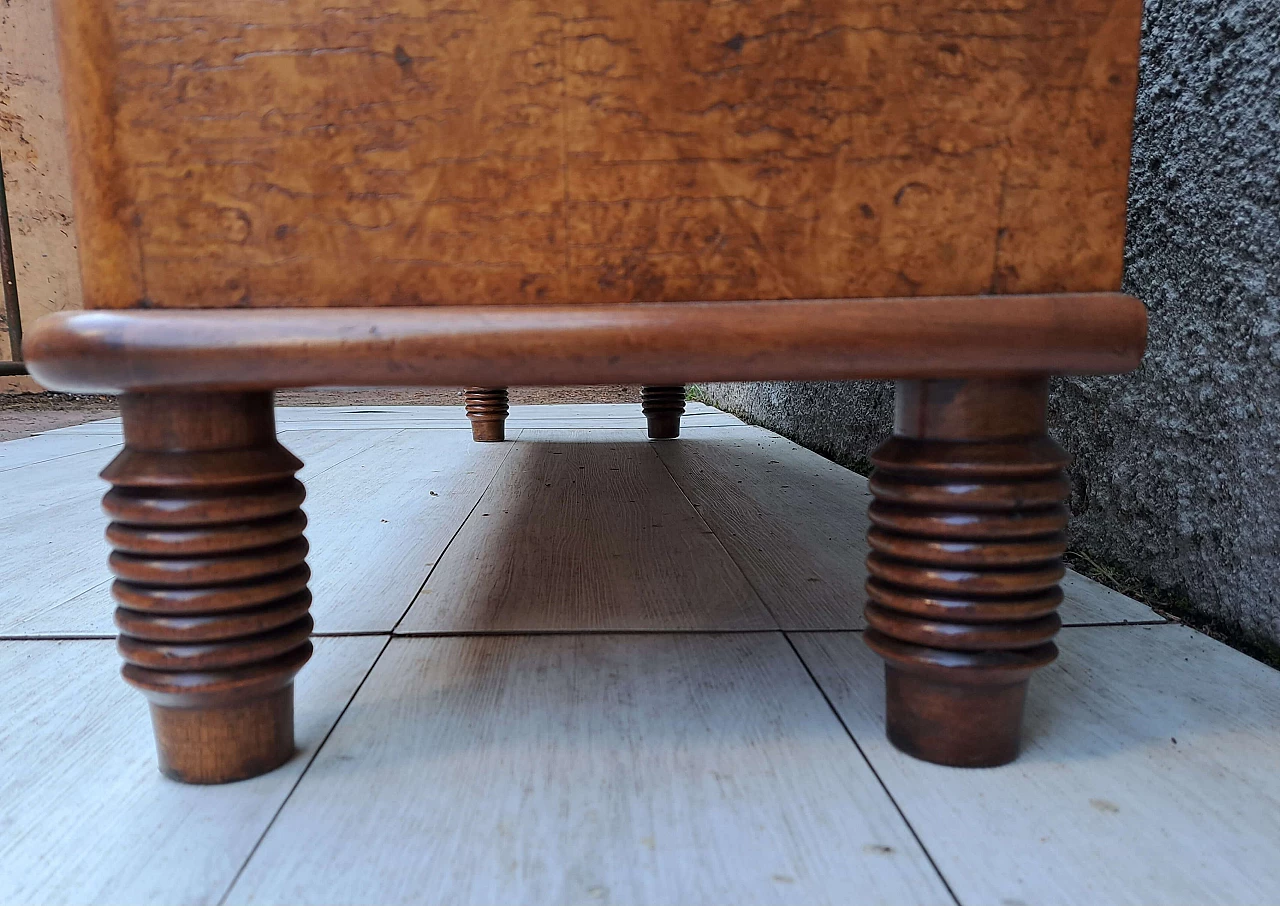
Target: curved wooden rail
x,y
650,343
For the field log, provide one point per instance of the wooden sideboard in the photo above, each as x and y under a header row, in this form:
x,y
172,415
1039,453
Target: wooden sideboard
x,y
496,193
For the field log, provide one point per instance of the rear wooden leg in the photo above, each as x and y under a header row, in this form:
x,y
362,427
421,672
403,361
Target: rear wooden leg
x,y
211,579
487,408
662,407
966,543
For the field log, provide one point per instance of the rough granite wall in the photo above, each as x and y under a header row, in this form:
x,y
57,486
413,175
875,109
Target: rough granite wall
x,y
1175,475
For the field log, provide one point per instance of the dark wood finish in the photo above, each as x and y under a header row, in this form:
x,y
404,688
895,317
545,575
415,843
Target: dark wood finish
x,y
211,579
487,408
415,152
968,532
662,406
822,339
466,189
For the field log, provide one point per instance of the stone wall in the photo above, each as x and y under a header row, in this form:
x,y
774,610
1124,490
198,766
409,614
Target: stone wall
x,y
1175,475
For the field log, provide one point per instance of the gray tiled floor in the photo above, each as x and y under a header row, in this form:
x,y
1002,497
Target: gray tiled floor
x,y
731,752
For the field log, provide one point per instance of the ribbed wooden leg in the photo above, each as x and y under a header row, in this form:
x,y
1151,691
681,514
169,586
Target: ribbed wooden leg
x,y
662,407
487,408
967,538
211,579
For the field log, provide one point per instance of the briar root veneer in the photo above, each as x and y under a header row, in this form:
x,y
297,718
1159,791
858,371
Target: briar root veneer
x,y
487,195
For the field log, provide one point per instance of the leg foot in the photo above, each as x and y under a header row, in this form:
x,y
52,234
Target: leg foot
x,y
967,537
211,579
218,745
662,407
487,408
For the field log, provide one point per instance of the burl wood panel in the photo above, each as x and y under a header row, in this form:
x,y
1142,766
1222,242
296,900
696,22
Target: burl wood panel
x,y
411,152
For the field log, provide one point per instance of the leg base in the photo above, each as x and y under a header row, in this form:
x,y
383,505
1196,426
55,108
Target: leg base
x,y
488,432
956,724
227,743
665,426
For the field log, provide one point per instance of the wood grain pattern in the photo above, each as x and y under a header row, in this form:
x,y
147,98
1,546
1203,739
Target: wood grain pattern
x,y
30,491
596,413
1150,758
211,579
555,415
1086,602
26,451
51,535
795,523
622,420
420,153
372,544
43,569
487,346
87,817
584,530
580,769
603,416
735,477
54,581
381,520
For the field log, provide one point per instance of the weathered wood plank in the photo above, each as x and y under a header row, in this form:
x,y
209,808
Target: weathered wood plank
x,y
584,530
459,421
570,769
796,524
89,819
1087,602
25,451
53,577
27,491
380,520
592,412
1148,774
578,415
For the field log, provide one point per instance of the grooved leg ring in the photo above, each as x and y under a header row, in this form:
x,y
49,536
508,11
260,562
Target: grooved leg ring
x,y
487,408
968,531
211,579
663,406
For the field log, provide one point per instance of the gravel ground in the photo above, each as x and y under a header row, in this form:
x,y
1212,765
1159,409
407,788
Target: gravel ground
x,y
24,414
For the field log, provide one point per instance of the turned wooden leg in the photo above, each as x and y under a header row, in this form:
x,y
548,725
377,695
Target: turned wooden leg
x,y
966,544
487,408
211,579
662,407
